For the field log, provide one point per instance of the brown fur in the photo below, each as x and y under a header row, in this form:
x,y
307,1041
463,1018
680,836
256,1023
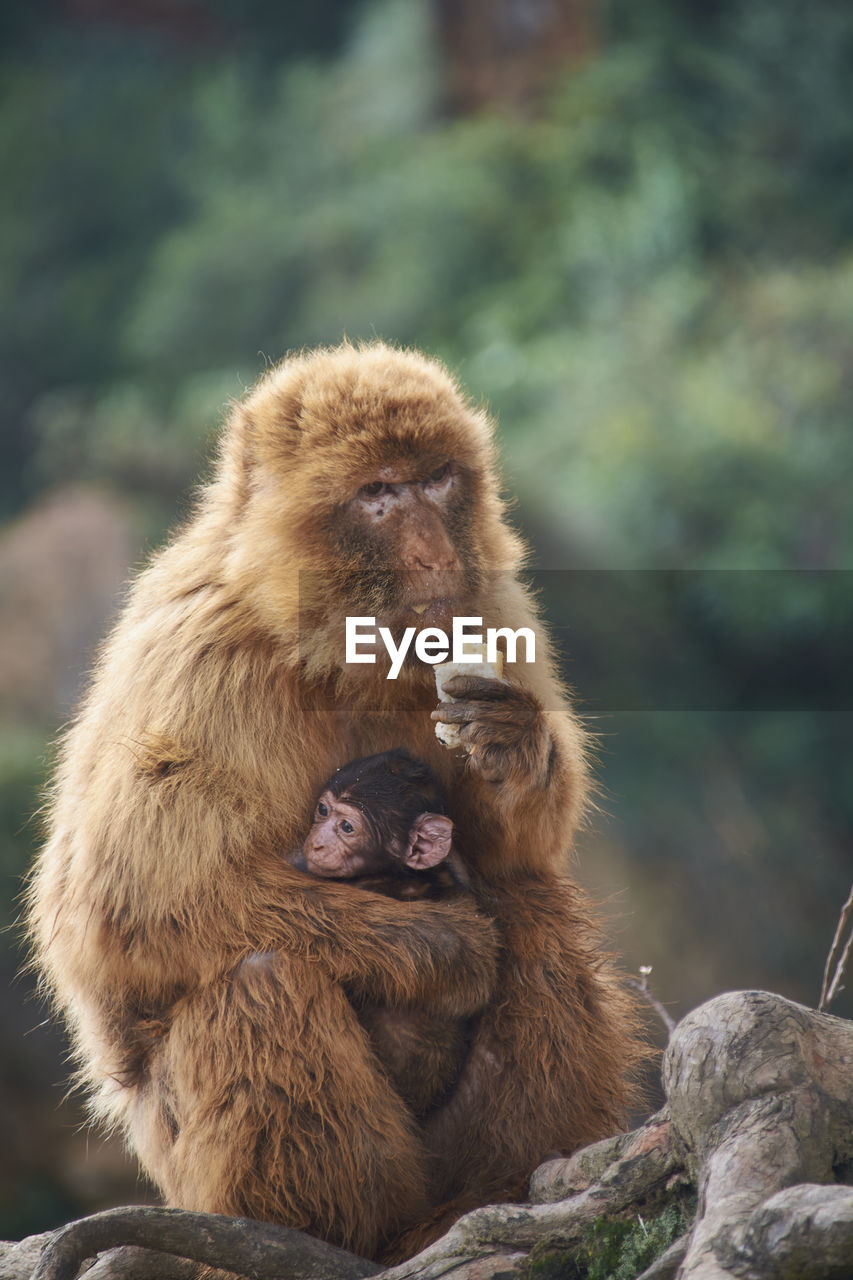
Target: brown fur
x,y
422,1053
252,1089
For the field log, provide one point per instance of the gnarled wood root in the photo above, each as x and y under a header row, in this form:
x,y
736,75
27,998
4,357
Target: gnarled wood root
x,y
759,1117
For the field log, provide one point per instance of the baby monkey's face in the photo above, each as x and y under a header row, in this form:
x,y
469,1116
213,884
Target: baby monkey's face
x,y
340,844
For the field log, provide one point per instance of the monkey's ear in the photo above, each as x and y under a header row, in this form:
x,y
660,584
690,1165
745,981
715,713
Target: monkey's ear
x,y
429,841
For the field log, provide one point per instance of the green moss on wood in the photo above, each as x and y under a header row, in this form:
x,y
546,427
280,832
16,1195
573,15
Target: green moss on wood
x,y
617,1248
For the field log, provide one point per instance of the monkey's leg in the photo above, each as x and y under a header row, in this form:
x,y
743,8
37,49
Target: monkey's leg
x,y
550,1067
280,1111
421,1054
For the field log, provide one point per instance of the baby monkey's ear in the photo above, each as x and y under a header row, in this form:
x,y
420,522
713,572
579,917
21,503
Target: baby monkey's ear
x,y
429,841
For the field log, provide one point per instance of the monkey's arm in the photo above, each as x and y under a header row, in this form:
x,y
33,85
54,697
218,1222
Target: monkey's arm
x,y
147,918
526,775
438,955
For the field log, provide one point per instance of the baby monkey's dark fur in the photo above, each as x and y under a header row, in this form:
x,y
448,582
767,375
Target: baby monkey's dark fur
x,y
393,792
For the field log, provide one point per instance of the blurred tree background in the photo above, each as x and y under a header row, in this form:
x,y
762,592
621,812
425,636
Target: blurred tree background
x,y
629,228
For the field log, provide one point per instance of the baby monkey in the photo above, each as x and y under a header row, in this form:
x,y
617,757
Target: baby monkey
x,y
382,823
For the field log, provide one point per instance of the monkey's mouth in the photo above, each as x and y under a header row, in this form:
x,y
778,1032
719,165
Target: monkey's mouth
x,y
330,872
327,865
437,612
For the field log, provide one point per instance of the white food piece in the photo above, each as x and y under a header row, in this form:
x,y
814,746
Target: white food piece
x,y
448,734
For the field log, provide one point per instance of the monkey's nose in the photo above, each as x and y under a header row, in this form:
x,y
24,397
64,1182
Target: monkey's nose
x,y
436,563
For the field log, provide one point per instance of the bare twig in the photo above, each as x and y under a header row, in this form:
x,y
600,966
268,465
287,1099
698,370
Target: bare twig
x,y
838,955
258,1250
641,984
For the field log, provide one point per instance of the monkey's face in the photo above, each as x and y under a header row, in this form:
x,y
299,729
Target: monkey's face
x,y
405,536
340,844
364,485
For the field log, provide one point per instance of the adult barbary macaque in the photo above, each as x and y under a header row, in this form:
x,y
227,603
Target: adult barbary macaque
x,y
349,482
381,824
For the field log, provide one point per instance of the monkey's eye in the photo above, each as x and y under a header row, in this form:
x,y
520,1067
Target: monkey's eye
x,y
347,827
322,810
373,489
439,474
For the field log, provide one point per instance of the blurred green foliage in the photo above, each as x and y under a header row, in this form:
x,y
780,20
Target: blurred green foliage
x,y
649,279
21,775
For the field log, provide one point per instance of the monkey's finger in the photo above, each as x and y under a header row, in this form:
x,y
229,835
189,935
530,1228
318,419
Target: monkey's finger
x,y
518,714
457,712
479,687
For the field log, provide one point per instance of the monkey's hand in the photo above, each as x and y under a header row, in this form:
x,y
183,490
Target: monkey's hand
x,y
502,727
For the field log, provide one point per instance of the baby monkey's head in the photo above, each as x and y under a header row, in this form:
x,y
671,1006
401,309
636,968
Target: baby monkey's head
x,y
378,814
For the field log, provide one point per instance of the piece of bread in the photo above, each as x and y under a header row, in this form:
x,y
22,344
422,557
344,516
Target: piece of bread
x,y
448,734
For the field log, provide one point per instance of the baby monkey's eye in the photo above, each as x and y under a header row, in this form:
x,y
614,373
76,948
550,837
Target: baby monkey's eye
x,y
322,810
347,827
373,489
